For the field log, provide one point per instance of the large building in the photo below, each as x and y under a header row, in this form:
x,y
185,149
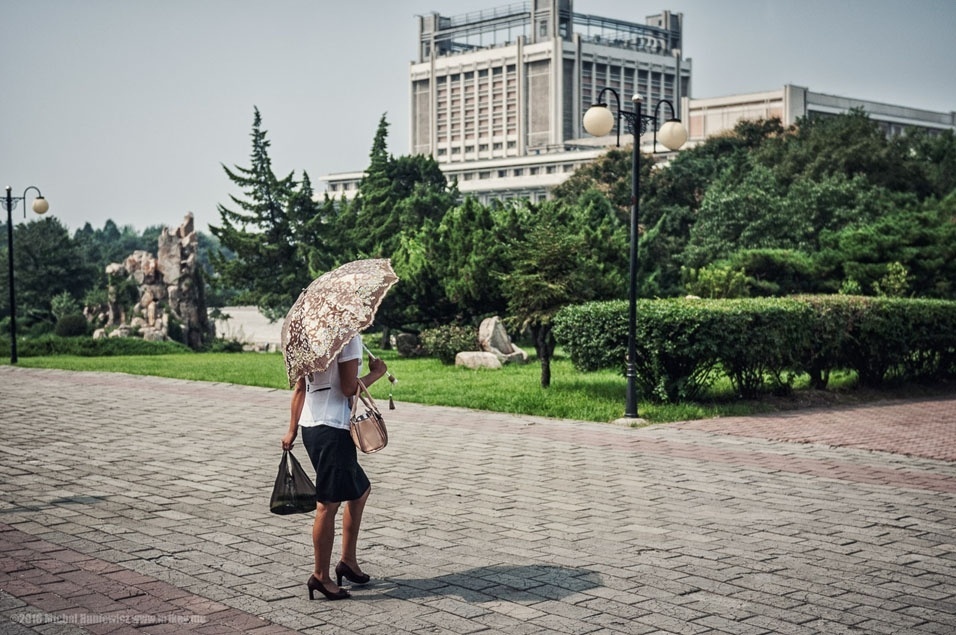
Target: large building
x,y
498,96
711,116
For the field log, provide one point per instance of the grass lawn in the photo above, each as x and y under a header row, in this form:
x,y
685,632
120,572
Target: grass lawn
x,y
597,396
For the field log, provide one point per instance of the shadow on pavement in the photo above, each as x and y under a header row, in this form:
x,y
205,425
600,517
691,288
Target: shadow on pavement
x,y
529,583
35,506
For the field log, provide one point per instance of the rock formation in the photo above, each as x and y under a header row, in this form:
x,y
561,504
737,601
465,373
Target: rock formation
x,y
496,348
493,338
171,297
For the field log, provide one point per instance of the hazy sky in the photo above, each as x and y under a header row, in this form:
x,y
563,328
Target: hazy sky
x,y
127,109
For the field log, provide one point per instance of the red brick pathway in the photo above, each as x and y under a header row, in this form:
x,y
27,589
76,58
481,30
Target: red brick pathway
x,y
809,521
926,430
63,586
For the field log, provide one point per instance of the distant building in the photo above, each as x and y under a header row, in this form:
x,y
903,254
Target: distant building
x,y
497,96
708,117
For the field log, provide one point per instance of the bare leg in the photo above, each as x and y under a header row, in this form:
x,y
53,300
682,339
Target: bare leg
x,y
351,523
323,536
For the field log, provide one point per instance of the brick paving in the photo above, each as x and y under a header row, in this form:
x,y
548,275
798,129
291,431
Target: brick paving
x,y
139,505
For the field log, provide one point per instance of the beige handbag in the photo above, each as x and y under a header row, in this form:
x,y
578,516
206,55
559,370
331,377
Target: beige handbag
x,y
366,423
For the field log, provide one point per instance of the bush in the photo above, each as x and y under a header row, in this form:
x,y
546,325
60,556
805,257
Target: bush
x,y
222,345
174,328
901,339
408,345
757,342
49,345
594,335
447,341
63,305
72,325
765,343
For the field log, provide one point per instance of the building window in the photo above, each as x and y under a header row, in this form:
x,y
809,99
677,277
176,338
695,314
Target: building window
x,y
502,174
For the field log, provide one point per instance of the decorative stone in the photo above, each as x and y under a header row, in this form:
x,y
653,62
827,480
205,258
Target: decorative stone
x,y
152,334
493,338
116,269
477,359
169,283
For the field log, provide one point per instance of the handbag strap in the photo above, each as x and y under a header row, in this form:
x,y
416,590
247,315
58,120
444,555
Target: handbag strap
x,y
362,393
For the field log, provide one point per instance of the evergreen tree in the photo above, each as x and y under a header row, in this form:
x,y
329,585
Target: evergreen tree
x,y
47,262
396,195
397,199
936,154
269,269
544,278
470,257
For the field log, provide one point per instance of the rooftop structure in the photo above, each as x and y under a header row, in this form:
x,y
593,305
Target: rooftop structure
x,y
498,96
516,80
715,115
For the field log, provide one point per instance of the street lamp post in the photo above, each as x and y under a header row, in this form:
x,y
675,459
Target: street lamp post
x,y
40,206
598,121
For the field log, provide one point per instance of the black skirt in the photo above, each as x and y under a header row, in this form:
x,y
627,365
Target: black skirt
x,y
338,475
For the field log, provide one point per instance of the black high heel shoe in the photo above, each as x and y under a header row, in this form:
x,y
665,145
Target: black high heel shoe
x,y
344,570
314,585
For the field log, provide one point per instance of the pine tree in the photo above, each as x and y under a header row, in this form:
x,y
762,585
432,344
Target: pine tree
x,y
269,269
396,196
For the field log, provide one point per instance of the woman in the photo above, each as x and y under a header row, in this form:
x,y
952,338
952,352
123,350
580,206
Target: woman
x,y
320,406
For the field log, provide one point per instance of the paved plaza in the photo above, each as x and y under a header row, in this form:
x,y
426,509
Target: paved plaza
x,y
140,505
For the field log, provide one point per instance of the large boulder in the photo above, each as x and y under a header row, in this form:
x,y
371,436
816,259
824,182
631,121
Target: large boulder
x,y
477,359
493,338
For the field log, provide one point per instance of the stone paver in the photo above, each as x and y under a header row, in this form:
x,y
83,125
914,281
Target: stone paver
x,y
139,505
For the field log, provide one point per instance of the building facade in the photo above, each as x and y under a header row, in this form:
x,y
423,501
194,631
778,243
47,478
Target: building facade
x,y
498,96
716,115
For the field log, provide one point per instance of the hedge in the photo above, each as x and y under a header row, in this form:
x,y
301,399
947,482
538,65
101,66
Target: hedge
x,y
50,344
685,344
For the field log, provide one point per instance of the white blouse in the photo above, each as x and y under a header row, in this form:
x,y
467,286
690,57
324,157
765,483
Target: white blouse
x,y
325,404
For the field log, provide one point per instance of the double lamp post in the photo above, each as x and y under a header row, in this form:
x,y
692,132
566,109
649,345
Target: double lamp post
x,y
598,121
40,206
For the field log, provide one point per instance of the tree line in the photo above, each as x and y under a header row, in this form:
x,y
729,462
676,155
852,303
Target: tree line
x,y
59,273
828,205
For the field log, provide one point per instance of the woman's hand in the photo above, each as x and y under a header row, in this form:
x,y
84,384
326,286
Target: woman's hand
x,y
289,439
377,366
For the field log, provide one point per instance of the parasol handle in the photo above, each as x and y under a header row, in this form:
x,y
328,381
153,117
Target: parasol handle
x,y
390,376
391,379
